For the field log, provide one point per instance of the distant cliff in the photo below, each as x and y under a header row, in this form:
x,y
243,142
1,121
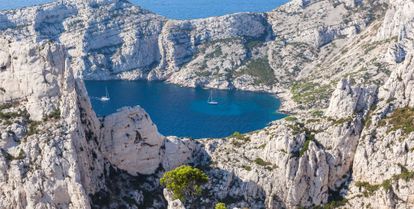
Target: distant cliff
x,y
344,70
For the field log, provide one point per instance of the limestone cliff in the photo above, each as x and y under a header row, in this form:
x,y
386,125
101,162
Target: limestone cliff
x,y
344,69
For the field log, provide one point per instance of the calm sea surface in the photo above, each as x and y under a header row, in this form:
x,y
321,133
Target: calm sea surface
x,y
181,9
183,111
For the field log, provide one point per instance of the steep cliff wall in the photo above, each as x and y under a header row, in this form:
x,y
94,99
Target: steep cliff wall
x,y
347,72
251,51
55,152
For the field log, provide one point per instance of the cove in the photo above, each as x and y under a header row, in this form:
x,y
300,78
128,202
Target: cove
x,y
184,112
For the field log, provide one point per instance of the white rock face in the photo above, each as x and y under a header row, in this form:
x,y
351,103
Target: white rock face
x,y
172,204
32,72
131,141
65,155
398,20
44,161
177,152
72,159
347,100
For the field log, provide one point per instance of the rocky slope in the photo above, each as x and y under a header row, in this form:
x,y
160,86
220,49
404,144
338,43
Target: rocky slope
x,y
251,51
345,69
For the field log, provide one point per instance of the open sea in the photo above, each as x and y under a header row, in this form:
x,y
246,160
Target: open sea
x,y
180,9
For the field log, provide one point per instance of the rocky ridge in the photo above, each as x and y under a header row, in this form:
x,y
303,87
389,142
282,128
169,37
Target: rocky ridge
x,y
348,73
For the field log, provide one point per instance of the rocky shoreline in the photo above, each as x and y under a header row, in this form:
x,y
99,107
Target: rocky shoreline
x,y
343,69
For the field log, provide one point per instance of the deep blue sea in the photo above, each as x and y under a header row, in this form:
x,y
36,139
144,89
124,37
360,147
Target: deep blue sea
x,y
181,9
183,111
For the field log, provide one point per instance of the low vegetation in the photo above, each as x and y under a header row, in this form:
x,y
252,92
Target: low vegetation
x,y
333,204
220,205
239,136
10,157
185,182
291,118
340,120
317,113
304,148
55,114
261,71
370,189
239,139
247,168
308,92
299,128
402,118
33,127
261,162
251,44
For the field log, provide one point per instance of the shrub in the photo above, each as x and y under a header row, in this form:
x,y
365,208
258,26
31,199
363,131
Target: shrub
x,y
184,182
317,113
369,188
5,106
304,148
402,118
253,44
260,161
239,136
9,115
261,71
308,92
220,205
33,127
55,114
291,118
247,168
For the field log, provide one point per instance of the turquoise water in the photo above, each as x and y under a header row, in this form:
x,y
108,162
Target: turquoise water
x,y
183,111
181,9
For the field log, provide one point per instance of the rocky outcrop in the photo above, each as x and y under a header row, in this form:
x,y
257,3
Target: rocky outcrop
x,y
35,73
354,153
131,132
117,40
172,203
347,101
54,150
41,161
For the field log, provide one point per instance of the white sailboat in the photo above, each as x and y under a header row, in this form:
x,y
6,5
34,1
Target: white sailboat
x,y
210,100
106,97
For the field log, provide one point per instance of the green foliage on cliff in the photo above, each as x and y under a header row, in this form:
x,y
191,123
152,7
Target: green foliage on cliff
x,y
184,182
55,114
402,118
220,205
261,71
370,189
308,92
260,161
